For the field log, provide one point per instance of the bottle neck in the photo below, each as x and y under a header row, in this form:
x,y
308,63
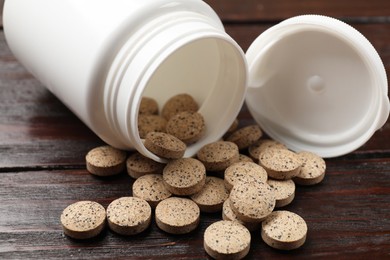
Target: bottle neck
x,y
148,52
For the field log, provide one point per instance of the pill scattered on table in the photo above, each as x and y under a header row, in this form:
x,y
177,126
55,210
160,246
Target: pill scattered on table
x,y
184,176
284,191
280,164
258,147
106,161
151,188
227,240
217,156
228,214
252,201
284,230
244,171
128,215
83,219
177,215
312,170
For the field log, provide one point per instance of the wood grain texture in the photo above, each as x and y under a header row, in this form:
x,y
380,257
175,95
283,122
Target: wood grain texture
x,y
42,167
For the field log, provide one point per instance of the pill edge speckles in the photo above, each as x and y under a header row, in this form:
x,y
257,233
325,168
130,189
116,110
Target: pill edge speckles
x,y
137,211
74,212
152,184
227,240
105,161
313,169
166,215
276,222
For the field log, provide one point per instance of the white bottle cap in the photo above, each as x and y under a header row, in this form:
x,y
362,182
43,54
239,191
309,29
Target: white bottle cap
x,y
317,84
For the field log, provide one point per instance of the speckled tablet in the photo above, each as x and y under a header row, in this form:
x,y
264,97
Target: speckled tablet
x,y
284,191
148,106
244,171
138,165
212,196
280,164
252,201
312,170
187,126
150,123
129,215
151,188
246,136
284,230
165,145
179,103
227,240
177,215
228,214
262,144
83,219
106,161
184,176
219,155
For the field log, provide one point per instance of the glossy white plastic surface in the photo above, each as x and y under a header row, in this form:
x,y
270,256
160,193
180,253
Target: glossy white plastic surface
x,y
317,84
100,56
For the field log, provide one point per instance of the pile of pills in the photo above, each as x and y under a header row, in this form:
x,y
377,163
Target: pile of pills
x,y
244,176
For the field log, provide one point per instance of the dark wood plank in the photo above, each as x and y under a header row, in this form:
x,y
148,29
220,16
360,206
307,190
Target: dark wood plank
x,y
274,10
347,216
36,129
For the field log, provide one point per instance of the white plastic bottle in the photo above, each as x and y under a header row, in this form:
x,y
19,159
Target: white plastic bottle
x,y
311,82
99,57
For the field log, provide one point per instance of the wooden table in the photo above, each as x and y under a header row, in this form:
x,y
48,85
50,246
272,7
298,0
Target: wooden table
x,y
42,168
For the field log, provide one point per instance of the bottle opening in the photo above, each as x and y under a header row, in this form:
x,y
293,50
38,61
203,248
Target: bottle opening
x,y
212,70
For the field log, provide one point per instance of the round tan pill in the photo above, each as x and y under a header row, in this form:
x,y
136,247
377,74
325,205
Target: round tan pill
x,y
284,191
106,161
151,123
83,219
312,170
165,145
252,201
177,215
179,103
187,126
246,136
129,215
151,188
227,240
244,171
148,106
228,214
262,144
184,176
212,196
284,230
138,165
219,155
280,164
